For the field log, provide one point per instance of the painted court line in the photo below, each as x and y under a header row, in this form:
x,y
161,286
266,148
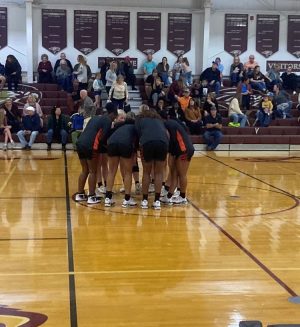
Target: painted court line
x,y
5,182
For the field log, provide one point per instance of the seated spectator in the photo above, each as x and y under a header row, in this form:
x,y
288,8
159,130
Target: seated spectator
x,y
57,128
212,76
98,87
45,70
31,126
184,100
250,65
210,102
177,68
197,91
238,119
64,76
186,72
283,102
160,105
149,83
264,114
57,63
163,71
148,66
193,117
157,91
82,72
12,72
111,76
5,129
213,135
127,70
31,102
2,76
236,71
244,89
175,89
289,80
273,76
220,67
13,115
257,80
118,93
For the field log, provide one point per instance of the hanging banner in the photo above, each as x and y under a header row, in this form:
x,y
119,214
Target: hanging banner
x,y
117,31
267,34
149,31
236,33
293,37
54,29
179,33
3,27
85,30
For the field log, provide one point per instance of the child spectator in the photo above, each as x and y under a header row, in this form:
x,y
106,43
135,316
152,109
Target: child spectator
x,y
98,88
187,72
177,68
264,114
245,90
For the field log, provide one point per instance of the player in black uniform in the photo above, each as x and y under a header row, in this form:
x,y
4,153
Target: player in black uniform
x,y
154,143
88,147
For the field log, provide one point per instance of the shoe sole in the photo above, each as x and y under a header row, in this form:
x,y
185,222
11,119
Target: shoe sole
x,y
144,207
156,208
80,200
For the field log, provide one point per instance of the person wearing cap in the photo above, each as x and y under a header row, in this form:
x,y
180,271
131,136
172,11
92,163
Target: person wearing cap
x,y
184,100
31,125
88,146
127,71
212,77
250,65
213,135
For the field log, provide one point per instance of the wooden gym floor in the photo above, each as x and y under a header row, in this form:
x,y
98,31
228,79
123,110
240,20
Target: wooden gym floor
x,y
232,254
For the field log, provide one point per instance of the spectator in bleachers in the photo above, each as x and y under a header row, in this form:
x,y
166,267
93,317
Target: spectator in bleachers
x,y
98,88
57,128
148,66
257,80
283,102
157,91
45,70
187,72
264,114
111,76
31,102
128,71
163,70
87,107
250,65
176,88
161,106
104,68
193,117
12,72
236,71
289,80
213,135
197,91
149,83
31,126
244,89
210,102
13,115
64,76
67,61
82,73
177,68
5,129
220,68
2,77
118,93
273,76
184,100
238,119
211,75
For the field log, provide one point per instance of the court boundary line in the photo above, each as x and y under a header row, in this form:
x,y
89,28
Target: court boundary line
x,y
72,287
34,239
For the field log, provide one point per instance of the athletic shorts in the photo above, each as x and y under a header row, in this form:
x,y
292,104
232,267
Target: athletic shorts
x,y
85,154
97,93
154,151
103,149
119,150
186,156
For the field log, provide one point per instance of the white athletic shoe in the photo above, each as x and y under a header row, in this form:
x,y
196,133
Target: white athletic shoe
x,y
138,188
93,199
179,200
80,197
122,189
151,188
108,202
165,200
144,204
163,191
129,203
156,205
176,193
101,189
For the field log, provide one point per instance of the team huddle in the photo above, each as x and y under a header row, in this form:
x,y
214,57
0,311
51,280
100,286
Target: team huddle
x,y
117,139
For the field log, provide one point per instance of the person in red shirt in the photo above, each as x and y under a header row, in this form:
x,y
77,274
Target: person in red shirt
x,y
45,70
